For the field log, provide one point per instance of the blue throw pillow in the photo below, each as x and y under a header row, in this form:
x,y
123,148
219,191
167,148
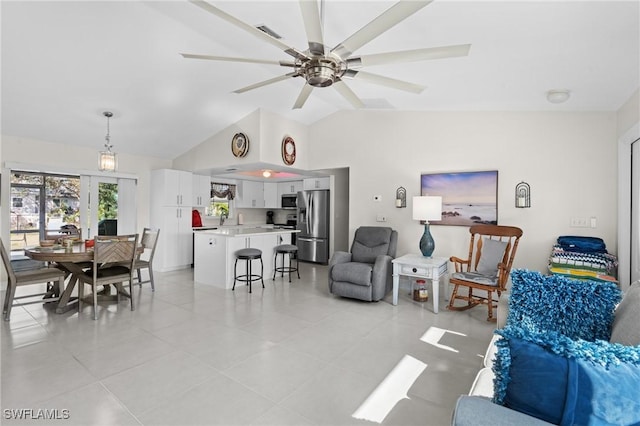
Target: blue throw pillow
x,y
567,382
578,309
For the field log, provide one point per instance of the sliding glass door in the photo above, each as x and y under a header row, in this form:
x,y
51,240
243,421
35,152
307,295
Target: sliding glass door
x,y
109,205
42,202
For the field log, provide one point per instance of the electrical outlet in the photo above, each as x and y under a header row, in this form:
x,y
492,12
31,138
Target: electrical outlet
x,y
579,222
377,198
381,218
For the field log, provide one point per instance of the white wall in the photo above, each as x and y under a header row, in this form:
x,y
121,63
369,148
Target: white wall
x,y
628,131
265,131
569,159
65,157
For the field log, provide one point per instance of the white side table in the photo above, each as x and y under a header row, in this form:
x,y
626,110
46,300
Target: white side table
x,y
416,265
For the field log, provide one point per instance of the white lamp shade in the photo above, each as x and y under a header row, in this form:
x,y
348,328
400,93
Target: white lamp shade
x,y
427,208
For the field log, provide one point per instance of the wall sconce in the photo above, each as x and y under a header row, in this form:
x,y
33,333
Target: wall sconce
x,y
523,195
401,197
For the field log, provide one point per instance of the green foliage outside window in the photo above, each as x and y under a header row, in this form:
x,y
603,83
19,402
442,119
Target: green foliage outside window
x,y
108,201
218,207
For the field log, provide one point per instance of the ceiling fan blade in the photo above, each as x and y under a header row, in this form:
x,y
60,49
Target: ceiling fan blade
x,y
249,28
232,59
313,26
410,55
303,96
392,16
348,94
384,81
266,82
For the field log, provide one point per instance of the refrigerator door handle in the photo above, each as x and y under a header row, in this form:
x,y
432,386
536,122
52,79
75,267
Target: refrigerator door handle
x,y
309,222
305,239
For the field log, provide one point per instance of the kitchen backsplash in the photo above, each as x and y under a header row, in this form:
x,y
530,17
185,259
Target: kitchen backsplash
x,y
251,216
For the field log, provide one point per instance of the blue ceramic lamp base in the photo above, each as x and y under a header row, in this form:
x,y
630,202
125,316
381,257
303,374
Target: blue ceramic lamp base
x,y
427,245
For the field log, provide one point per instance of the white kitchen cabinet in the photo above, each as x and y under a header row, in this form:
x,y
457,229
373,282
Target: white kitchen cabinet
x,y
201,190
316,183
171,187
289,187
250,194
271,199
214,256
170,212
174,249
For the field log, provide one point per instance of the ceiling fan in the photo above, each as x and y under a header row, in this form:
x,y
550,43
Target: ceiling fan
x,y
321,67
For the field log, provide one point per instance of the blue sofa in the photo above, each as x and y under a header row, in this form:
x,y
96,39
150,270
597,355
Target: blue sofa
x,y
579,324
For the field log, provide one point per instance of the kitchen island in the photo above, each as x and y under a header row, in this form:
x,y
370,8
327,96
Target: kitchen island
x,y
214,252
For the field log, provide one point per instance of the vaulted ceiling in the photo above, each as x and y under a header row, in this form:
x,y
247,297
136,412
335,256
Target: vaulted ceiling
x,y
65,62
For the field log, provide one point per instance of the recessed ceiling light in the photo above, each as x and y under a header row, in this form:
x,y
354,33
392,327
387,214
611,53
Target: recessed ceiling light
x,y
558,96
266,173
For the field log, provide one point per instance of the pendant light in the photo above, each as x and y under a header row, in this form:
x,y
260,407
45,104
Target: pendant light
x,y
107,162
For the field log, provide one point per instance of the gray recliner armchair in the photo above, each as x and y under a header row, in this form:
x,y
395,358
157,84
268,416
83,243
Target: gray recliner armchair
x,y
366,272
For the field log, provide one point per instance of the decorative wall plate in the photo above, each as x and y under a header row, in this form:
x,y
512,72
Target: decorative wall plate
x,y
288,151
240,145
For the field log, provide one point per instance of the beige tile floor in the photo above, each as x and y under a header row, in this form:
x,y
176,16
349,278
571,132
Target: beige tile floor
x,y
289,354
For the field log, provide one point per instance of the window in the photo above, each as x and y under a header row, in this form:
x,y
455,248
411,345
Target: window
x,y
220,201
40,202
218,206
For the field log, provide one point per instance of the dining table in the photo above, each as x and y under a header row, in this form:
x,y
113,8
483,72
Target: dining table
x,y
73,259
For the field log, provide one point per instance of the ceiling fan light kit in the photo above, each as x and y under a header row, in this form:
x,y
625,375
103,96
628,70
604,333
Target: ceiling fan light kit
x,y
321,67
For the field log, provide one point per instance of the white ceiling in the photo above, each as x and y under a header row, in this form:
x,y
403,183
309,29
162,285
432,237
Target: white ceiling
x,y
65,62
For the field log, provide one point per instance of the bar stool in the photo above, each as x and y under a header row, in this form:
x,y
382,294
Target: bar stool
x,y
283,249
248,254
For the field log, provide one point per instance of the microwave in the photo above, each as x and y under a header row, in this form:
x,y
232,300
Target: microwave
x,y
289,201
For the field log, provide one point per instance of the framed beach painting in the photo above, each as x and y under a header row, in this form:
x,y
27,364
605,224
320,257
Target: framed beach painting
x,y
468,198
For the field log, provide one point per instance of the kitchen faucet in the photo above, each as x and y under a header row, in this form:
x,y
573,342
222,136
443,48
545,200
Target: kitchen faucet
x,y
223,216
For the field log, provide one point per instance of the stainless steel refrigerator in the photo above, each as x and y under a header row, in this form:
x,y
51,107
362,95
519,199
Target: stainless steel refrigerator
x,y
313,223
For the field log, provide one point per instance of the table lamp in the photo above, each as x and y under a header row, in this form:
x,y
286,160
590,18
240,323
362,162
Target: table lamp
x,y
427,208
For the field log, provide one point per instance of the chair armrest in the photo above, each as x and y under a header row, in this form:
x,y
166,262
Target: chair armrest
x,y
475,410
457,262
381,276
339,257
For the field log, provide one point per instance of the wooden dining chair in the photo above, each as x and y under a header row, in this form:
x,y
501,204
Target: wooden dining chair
x,y
113,260
144,260
491,252
41,275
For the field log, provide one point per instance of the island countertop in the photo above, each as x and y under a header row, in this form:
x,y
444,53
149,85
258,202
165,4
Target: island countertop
x,y
247,232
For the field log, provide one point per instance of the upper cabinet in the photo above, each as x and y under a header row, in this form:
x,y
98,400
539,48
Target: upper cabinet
x,y
289,187
201,190
271,198
172,187
316,183
250,194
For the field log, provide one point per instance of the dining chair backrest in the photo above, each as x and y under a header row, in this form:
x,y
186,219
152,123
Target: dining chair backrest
x,y
115,249
149,241
6,260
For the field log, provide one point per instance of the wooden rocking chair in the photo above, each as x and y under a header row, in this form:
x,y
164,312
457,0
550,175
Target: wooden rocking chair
x,y
487,267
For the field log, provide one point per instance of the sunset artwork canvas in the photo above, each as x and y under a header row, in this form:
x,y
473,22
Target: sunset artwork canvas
x,y
468,198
